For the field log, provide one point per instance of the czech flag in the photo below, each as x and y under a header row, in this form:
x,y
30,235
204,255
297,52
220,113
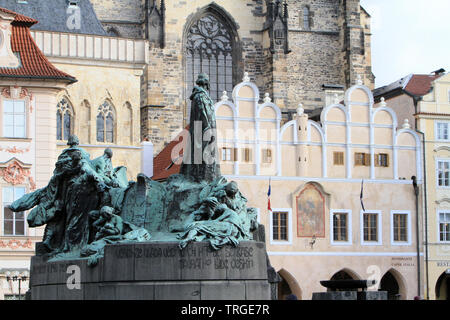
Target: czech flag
x,y
268,198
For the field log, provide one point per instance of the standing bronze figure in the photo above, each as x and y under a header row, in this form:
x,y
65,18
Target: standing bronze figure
x,y
200,159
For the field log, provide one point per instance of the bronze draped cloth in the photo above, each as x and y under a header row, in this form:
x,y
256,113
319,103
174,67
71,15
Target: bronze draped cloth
x,y
200,158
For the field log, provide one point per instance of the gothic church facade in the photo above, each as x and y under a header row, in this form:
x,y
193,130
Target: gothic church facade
x,y
298,51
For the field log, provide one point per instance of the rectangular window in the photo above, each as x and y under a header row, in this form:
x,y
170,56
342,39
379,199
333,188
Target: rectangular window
x,y
370,227
13,222
338,158
226,154
362,159
280,226
14,119
247,155
382,160
443,173
267,155
442,131
444,226
400,227
340,222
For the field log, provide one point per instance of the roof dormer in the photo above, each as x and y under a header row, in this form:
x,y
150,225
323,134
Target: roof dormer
x,y
7,57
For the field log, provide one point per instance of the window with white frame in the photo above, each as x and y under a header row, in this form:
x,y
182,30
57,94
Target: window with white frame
x,y
13,222
14,118
442,131
280,226
371,228
401,227
341,233
227,154
267,155
444,226
443,173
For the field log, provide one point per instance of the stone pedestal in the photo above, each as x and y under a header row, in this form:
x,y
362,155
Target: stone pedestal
x,y
157,271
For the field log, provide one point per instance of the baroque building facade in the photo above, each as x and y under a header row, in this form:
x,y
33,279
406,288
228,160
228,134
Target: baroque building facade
x,y
424,100
29,89
433,118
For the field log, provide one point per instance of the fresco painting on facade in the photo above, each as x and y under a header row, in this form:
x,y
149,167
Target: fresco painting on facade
x,y
310,212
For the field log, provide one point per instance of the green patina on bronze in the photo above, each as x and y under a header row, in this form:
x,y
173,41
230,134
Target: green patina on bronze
x,y
88,204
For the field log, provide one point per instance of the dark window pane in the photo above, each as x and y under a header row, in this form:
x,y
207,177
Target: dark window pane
x,y
9,215
109,128
58,126
20,228
67,125
100,128
8,227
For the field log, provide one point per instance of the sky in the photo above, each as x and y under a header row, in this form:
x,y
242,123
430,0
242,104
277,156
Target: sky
x,y
408,36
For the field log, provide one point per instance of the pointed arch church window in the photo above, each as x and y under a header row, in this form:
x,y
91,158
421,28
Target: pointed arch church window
x,y
209,49
64,120
105,123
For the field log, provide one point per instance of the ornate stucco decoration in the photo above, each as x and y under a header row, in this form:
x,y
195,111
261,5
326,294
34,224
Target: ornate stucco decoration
x,y
443,200
14,149
15,172
16,92
16,244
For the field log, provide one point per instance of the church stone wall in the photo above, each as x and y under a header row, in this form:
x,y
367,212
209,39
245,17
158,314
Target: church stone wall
x,y
333,51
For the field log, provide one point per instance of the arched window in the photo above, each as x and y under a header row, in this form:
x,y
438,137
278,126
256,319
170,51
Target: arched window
x,y
306,17
64,120
209,49
105,123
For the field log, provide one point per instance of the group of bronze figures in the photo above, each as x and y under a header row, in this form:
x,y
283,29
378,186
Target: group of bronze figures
x,y
88,204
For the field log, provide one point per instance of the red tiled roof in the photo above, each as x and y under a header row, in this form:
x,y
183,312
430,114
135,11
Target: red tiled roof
x,y
33,63
163,164
19,18
420,84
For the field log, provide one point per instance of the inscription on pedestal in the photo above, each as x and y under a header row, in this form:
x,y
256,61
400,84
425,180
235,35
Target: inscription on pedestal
x,y
160,271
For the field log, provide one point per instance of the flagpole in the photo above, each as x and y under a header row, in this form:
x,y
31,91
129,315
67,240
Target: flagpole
x,y
269,208
361,195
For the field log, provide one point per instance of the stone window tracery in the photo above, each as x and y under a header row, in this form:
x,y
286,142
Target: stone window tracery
x,y
209,49
105,123
64,120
